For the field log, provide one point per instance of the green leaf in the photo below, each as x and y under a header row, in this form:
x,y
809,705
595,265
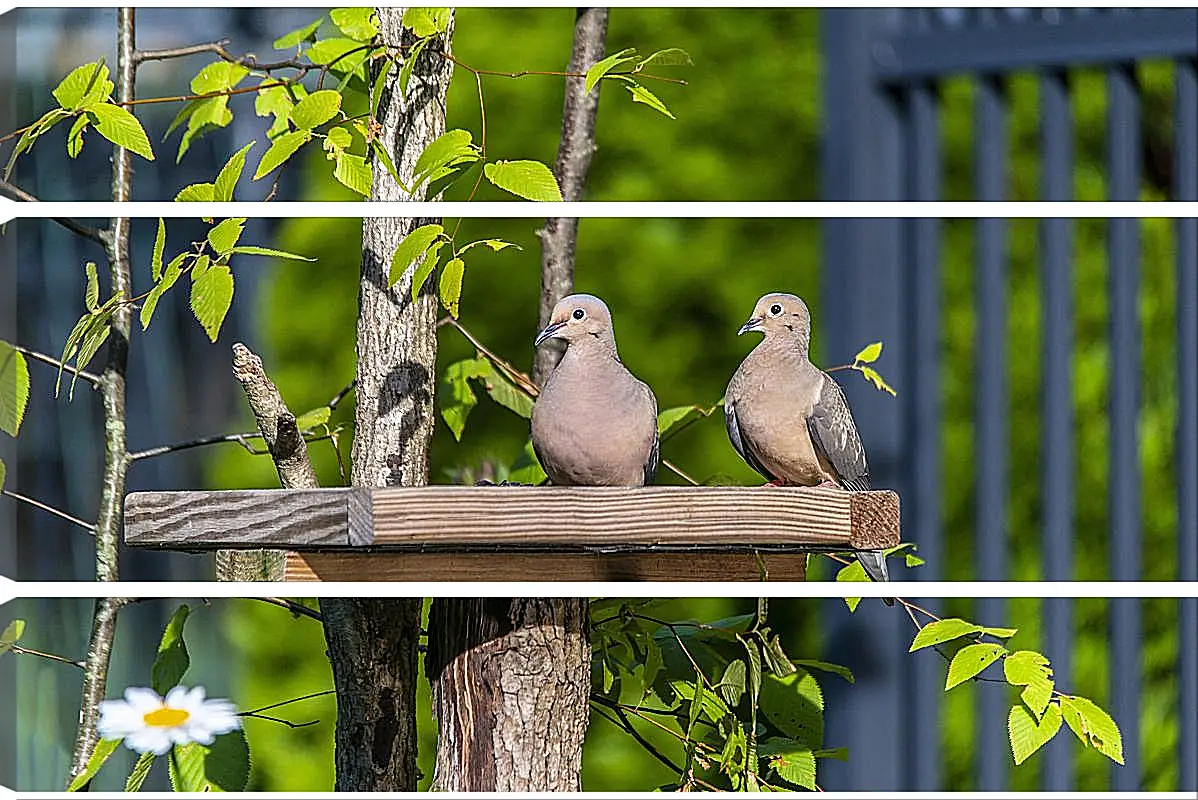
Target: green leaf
x,y
795,706
224,235
211,296
431,257
199,267
868,354
427,21
274,101
941,631
91,295
121,128
1000,633
337,139
495,244
254,250
197,193
405,71
526,469
673,416
505,393
229,174
792,762
169,276
1028,734
450,149
1093,726
223,766
450,287
159,246
606,65
732,684
971,660
104,748
838,753
139,772
358,24
316,109
853,573
85,340
1025,667
3,473
642,95
280,150
334,52
413,246
75,136
293,38
825,666
872,375
29,137
310,419
85,84
209,114
531,180
12,633
172,659
670,57
457,399
219,76
353,172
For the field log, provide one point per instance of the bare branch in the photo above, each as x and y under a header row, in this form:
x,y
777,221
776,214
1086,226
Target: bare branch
x,y
273,706
25,651
50,509
517,377
77,228
560,235
240,438
292,606
90,377
95,678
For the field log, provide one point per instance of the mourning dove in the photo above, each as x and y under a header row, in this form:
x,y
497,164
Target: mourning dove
x,y
594,423
789,419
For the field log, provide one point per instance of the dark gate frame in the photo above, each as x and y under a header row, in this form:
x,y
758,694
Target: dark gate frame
x,y
881,142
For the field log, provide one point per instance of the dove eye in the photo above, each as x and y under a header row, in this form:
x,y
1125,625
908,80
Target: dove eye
x,y
579,314
775,309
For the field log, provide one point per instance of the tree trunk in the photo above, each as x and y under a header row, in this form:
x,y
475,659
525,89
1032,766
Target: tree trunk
x,y
372,642
511,680
511,677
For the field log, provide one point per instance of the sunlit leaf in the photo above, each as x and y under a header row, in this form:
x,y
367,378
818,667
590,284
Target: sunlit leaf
x,y
83,85
254,250
359,24
223,766
229,174
1027,734
971,660
172,659
316,109
211,297
606,65
121,128
642,95
139,773
353,172
218,76
280,150
103,749
427,21
1093,726
413,246
941,631
293,38
531,180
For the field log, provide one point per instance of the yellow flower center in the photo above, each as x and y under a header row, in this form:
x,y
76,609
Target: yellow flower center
x,y
166,717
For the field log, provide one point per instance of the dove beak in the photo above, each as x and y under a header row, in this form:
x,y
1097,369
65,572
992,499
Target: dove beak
x,y
549,332
752,325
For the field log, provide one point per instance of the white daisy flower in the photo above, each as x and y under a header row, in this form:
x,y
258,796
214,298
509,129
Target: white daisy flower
x,y
152,724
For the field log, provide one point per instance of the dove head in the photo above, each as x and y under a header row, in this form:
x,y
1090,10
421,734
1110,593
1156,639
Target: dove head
x,y
782,317
580,320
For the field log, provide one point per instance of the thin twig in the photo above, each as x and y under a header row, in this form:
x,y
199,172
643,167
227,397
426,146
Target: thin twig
x,y
336,401
90,377
623,722
50,509
239,438
522,380
665,462
292,606
25,651
279,720
77,228
273,706
549,73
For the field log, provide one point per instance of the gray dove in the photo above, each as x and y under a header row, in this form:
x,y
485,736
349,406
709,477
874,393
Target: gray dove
x,y
594,423
787,418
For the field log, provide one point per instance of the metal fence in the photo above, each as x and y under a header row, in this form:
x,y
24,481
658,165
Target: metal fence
x,y
883,72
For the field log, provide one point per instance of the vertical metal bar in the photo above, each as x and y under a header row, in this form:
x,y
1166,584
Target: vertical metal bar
x,y
990,163
863,149
1056,447
1123,160
1186,170
924,374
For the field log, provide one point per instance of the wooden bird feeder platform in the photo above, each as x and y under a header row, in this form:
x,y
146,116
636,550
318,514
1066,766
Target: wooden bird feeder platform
x,y
498,533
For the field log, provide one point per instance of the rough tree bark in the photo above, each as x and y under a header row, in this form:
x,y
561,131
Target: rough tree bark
x,y
511,677
372,642
288,451
112,391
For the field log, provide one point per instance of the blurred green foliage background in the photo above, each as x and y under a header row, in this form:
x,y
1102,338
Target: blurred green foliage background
x,y
748,128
